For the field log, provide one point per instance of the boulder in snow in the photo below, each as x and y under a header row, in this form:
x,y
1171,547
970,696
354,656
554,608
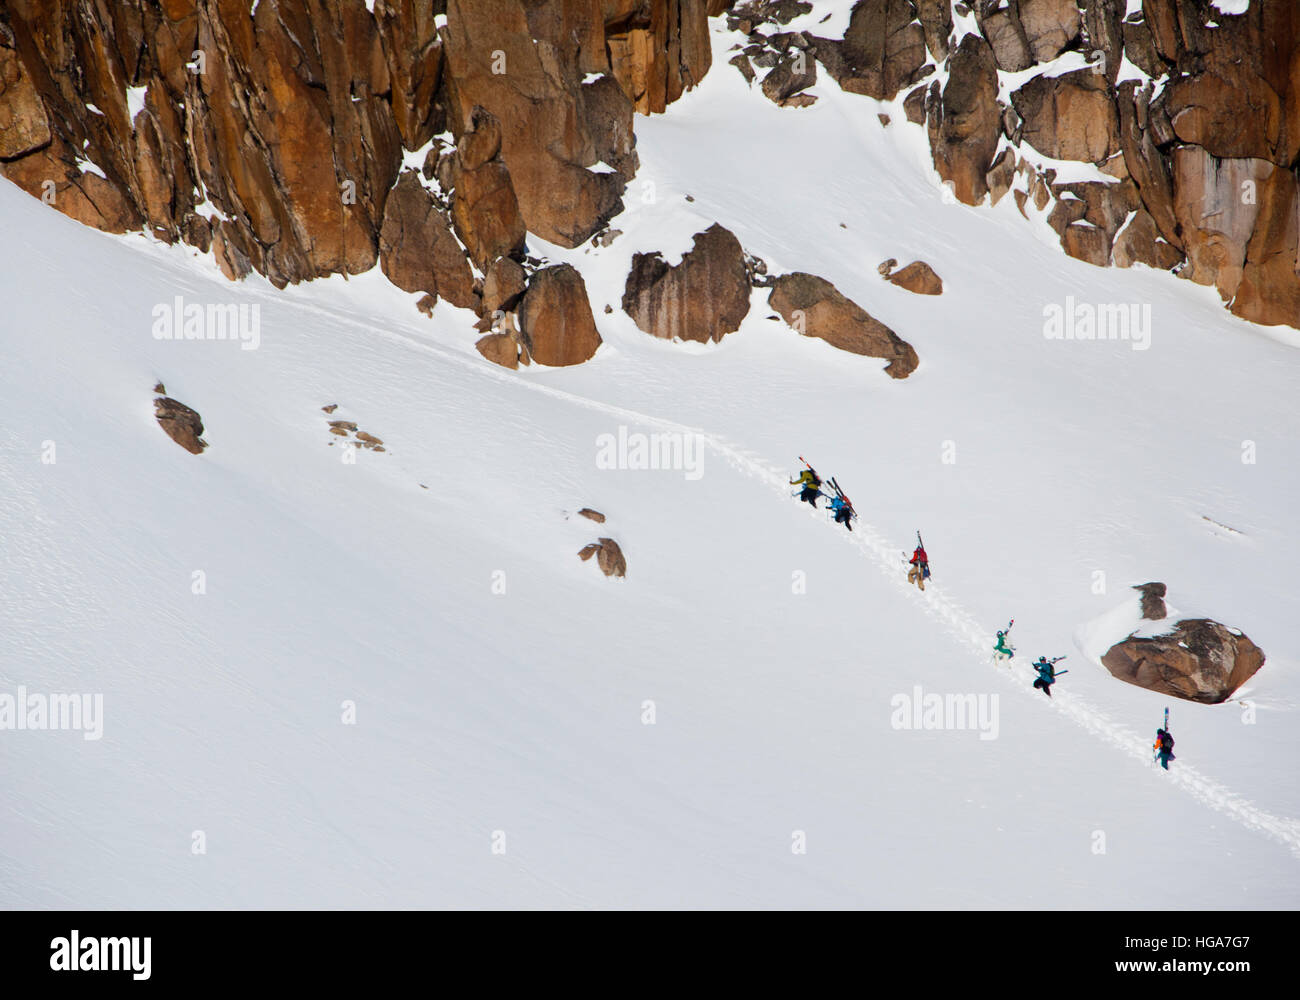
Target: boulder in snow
x,y
703,298
816,308
918,277
609,557
1200,660
182,424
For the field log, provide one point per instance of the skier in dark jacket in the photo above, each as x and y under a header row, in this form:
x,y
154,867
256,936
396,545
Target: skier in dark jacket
x,y
1046,674
1164,747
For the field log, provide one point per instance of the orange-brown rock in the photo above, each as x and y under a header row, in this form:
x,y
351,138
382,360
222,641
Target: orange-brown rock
x,y
413,54
1001,175
417,250
533,91
883,50
789,78
504,285
918,277
1049,26
1216,203
1139,242
964,121
1086,242
1069,117
609,556
499,348
658,49
816,308
1199,660
182,424
936,24
1269,291
486,213
1147,165
24,125
555,318
703,298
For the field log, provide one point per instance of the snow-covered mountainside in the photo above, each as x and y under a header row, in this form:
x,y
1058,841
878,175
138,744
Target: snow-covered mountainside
x,y
390,682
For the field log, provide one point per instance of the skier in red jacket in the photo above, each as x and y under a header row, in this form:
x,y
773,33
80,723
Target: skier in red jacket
x,y
920,571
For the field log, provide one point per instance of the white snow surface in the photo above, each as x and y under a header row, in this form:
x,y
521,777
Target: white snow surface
x,y
520,715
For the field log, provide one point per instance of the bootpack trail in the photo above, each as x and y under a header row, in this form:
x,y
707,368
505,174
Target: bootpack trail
x,y
946,611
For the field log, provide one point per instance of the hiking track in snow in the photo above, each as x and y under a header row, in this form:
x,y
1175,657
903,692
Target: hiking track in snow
x,y
935,602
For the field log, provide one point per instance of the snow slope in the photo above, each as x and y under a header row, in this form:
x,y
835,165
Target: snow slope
x,y
521,712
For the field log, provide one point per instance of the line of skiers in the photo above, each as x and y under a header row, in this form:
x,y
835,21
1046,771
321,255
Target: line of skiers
x,y
810,490
1047,674
1045,668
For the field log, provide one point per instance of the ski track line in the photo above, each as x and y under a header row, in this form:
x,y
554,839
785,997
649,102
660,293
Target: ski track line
x,y
959,623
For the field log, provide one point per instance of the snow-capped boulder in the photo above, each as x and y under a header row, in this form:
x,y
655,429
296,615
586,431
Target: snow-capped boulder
x,y
1199,660
703,298
816,308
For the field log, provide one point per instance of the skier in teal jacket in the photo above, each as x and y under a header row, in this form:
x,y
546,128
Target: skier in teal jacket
x,y
1046,674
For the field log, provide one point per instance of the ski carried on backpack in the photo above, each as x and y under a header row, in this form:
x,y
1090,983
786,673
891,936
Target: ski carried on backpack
x,y
843,496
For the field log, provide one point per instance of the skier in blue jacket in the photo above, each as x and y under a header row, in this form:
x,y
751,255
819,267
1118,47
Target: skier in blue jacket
x,y
843,511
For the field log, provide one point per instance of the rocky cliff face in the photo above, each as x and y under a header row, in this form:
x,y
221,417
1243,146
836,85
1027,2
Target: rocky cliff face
x,y
275,132
1188,118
